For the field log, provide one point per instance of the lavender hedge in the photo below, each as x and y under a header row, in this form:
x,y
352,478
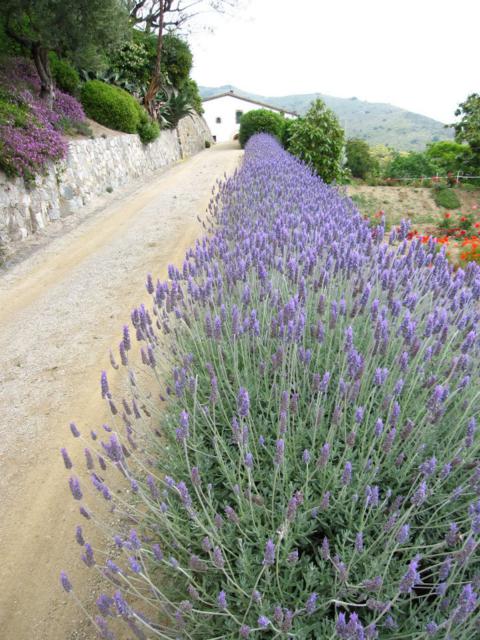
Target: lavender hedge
x,y
315,472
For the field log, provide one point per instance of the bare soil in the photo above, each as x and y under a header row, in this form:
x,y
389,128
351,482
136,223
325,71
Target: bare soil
x,y
61,309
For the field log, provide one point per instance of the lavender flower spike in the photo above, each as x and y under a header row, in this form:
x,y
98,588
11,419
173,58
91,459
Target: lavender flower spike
x,y
243,402
269,556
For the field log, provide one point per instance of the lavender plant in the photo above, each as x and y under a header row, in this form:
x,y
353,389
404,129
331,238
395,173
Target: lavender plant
x,y
315,472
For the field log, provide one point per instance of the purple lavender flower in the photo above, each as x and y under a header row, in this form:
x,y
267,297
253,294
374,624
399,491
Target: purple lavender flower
x,y
420,494
79,536
279,452
403,534
74,430
263,622
269,555
222,600
325,452
359,542
311,603
66,459
65,582
411,577
243,402
292,557
104,385
347,474
75,488
218,560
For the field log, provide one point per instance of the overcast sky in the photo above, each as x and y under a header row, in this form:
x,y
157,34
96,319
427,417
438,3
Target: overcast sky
x,y
422,55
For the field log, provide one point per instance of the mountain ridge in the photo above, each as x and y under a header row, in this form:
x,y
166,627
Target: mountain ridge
x,y
374,122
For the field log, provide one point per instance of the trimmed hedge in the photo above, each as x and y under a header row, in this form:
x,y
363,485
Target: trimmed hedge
x,y
111,106
260,121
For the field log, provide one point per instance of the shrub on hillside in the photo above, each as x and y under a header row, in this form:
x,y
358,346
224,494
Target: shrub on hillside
x,y
260,121
148,131
315,473
318,140
111,106
65,75
446,197
449,156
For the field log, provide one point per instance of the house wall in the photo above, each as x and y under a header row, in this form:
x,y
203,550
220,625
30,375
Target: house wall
x,y
90,168
225,108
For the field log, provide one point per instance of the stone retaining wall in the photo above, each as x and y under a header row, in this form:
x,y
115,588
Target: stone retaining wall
x,y
91,168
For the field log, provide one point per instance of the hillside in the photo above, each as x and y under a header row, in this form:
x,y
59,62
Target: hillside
x,y
374,122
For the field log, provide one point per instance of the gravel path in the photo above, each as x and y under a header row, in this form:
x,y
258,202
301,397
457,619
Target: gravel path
x,y
61,309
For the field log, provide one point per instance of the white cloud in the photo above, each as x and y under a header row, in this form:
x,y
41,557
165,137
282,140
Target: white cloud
x,y
418,54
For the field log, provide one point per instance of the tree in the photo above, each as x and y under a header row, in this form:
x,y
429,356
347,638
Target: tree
x,y
135,60
449,156
161,15
467,129
359,159
318,139
79,28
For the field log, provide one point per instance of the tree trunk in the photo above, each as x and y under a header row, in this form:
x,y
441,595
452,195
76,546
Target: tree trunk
x,y
156,81
47,87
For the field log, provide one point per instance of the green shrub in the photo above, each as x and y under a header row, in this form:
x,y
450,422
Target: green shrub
x,y
411,165
111,106
148,131
12,113
260,121
446,197
65,75
207,144
318,140
359,159
286,132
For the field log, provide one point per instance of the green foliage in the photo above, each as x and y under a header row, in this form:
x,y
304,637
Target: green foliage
x,y
175,107
81,29
207,144
359,159
467,129
260,121
318,140
12,113
111,106
446,197
448,156
190,91
177,60
411,165
148,131
65,75
286,132
133,63
8,46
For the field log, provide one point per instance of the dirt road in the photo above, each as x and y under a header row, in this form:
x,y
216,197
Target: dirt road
x,y
60,312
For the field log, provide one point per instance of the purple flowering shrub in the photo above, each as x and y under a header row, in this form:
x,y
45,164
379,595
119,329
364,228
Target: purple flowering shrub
x,y
28,144
315,472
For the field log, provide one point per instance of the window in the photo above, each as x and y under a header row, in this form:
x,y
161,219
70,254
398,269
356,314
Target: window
x,y
218,120
238,116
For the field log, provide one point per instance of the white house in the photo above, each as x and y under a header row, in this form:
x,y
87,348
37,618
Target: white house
x,y
223,113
